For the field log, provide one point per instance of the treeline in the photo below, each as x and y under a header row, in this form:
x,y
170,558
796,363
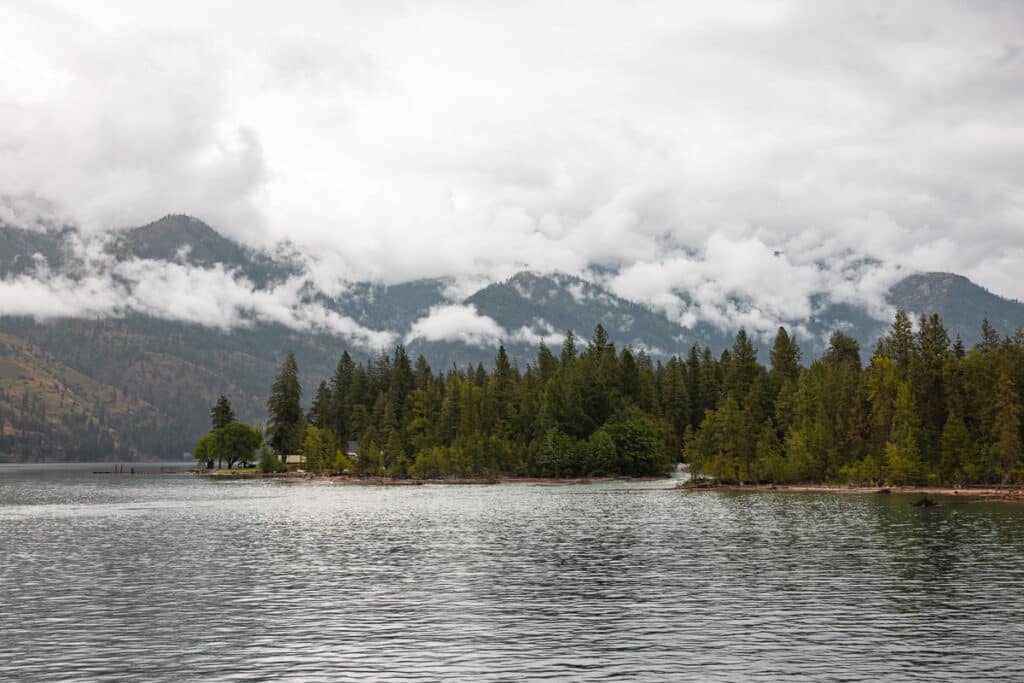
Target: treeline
x,y
586,412
923,411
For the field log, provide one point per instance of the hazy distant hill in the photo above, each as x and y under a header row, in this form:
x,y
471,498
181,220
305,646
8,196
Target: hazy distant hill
x,y
143,386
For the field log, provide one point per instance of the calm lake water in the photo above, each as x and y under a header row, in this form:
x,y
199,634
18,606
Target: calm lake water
x,y
176,577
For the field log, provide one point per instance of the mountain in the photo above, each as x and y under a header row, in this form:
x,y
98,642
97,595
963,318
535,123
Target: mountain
x,y
548,304
961,304
188,239
140,386
389,307
47,407
20,249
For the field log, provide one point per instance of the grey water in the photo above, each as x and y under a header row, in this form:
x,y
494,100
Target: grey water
x,y
176,577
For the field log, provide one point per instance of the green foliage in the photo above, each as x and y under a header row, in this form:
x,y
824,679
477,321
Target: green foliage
x,y
228,445
431,463
341,463
640,445
269,463
557,455
221,415
237,443
922,411
205,451
318,449
600,455
1006,449
371,460
284,409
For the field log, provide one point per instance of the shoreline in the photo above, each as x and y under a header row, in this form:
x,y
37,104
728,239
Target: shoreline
x,y
348,480
996,493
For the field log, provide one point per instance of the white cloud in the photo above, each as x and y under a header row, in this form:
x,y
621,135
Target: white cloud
x,y
682,144
540,331
59,296
457,322
210,296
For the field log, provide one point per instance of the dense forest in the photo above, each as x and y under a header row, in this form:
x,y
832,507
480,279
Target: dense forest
x,y
924,410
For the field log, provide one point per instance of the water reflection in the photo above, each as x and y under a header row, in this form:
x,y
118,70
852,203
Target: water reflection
x,y
172,577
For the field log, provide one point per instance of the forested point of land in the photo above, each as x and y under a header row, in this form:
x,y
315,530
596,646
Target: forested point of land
x,y
924,410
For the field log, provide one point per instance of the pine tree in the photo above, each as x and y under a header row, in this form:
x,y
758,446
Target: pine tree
x,y
903,454
568,349
785,358
899,344
340,388
221,415
547,364
927,376
842,348
956,448
989,337
501,387
313,449
320,412
630,380
742,368
598,343
1007,446
284,409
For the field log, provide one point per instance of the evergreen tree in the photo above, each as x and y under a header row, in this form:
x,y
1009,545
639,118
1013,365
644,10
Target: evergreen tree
x,y
313,448
1007,446
903,454
956,449
630,380
284,409
742,368
340,392
547,364
899,344
842,348
921,411
221,415
320,413
568,349
785,359
989,337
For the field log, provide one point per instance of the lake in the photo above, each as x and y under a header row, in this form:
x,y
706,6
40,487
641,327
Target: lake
x,y
177,577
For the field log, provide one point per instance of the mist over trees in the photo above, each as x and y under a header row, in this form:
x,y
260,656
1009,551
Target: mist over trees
x,y
923,410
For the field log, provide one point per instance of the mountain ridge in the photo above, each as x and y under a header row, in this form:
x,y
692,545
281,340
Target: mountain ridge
x,y
178,368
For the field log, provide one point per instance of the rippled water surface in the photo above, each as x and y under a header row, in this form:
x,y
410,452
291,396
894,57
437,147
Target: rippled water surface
x,y
176,577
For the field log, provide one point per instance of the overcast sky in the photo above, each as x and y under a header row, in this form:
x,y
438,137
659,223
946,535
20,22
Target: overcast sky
x,y
719,148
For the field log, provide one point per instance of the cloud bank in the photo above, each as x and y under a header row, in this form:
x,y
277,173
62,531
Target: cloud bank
x,y
459,323
100,285
771,153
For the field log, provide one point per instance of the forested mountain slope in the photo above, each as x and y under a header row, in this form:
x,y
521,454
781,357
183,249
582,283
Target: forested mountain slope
x,y
173,370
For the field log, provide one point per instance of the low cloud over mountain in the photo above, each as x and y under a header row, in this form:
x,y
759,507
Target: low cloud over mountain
x,y
730,163
179,269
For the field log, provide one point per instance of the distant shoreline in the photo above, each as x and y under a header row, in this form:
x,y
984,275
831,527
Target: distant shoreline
x,y
1007,493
